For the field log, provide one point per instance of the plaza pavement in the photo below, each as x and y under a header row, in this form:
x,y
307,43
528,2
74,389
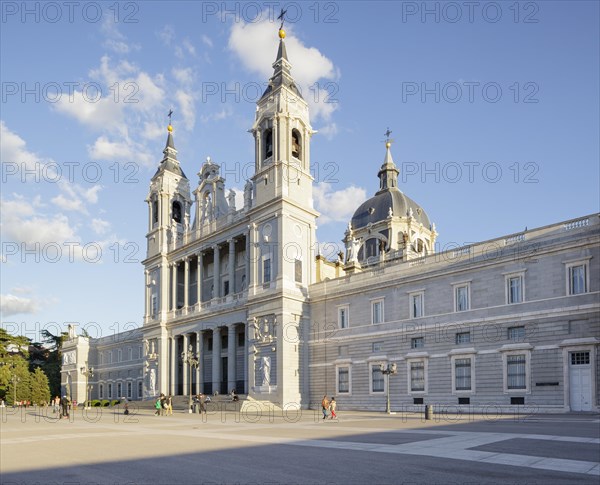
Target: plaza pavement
x,y
103,446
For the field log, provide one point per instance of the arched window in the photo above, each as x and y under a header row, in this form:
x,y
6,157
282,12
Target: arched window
x,y
154,212
296,144
268,143
176,212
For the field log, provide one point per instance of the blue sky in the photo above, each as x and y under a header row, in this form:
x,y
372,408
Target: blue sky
x,y
494,110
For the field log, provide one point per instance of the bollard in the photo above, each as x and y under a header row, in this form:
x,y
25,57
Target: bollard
x,y
428,411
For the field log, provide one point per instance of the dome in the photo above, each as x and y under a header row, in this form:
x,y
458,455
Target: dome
x,y
377,207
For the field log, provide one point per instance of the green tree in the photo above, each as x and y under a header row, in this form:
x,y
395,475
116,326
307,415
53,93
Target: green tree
x,y
52,364
20,380
40,391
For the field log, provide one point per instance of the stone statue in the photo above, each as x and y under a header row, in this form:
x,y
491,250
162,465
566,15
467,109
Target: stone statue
x,y
248,195
152,382
231,200
266,371
352,247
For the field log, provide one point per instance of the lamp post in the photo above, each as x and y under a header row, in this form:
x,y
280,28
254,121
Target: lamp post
x,y
15,380
191,360
88,372
387,370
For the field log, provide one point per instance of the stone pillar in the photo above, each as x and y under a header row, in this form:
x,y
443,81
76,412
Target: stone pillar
x,y
173,363
217,275
186,282
199,369
231,367
251,258
199,280
175,360
173,286
250,359
185,366
231,266
216,367
148,295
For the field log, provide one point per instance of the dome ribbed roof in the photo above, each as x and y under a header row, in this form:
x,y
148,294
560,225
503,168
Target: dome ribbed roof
x,y
376,208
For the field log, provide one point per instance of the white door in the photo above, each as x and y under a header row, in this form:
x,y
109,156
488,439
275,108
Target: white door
x,y
580,381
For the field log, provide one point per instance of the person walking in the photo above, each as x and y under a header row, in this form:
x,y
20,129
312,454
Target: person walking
x,y
332,408
64,402
169,402
158,406
325,406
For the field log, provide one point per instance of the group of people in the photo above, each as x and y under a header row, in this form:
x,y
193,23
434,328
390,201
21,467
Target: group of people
x,y
329,407
164,405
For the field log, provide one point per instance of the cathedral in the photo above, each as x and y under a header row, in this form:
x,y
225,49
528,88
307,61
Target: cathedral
x,y
239,297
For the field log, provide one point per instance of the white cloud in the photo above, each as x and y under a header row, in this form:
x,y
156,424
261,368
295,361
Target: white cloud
x,y
13,150
337,205
74,197
256,47
105,149
329,131
13,305
167,34
187,108
207,40
185,76
100,226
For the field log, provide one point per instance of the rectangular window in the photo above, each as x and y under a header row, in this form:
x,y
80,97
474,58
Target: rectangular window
x,y
417,343
119,390
463,338
110,391
580,358
377,312
416,305
154,305
516,334
119,356
129,353
377,382
462,374
129,390
461,298
577,279
514,289
110,356
417,376
298,270
515,371
209,344
266,270
377,346
225,287
343,317
343,380
101,391
224,342
241,339
140,390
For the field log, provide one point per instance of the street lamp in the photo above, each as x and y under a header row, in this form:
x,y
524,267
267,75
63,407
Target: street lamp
x,y
387,370
191,360
88,372
15,380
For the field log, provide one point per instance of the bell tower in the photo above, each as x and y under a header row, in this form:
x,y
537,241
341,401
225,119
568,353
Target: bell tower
x,y
282,135
282,241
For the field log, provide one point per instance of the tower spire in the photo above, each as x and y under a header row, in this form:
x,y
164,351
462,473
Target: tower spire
x,y
388,173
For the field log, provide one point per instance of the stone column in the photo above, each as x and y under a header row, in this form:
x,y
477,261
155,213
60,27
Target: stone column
x,y
231,266
217,270
199,280
147,305
173,286
173,362
185,366
252,258
231,357
250,359
186,282
216,367
200,368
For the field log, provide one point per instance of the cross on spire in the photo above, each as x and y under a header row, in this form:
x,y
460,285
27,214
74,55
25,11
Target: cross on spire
x,y
169,115
282,17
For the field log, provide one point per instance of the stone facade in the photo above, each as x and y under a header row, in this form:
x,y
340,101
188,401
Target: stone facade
x,y
501,324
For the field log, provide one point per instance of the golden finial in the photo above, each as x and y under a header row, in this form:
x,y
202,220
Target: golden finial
x,y
281,34
170,129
